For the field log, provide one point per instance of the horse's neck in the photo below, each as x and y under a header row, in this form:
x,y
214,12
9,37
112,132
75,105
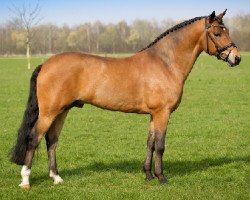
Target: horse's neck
x,y
180,50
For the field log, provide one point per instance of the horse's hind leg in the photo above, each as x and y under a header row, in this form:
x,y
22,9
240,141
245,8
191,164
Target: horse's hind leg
x,y
51,141
41,127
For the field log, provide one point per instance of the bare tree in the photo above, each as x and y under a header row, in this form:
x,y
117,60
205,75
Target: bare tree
x,y
27,17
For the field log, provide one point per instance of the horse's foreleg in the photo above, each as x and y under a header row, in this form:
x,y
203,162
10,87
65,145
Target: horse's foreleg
x,y
51,141
160,123
150,150
40,128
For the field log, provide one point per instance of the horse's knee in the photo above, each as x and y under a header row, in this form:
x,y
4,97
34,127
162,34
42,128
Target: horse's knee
x,y
160,144
160,148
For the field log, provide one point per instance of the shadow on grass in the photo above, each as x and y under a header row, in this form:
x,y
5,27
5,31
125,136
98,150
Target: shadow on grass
x,y
172,168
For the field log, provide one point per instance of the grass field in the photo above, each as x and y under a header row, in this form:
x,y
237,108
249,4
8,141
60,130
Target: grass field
x,y
100,153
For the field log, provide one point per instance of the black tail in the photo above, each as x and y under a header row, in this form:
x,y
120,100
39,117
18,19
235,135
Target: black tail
x,y
30,117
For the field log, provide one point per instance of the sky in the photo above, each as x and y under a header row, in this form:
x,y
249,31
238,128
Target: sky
x,y
73,12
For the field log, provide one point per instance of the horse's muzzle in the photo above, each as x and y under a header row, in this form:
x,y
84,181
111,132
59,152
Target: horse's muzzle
x,y
233,62
237,60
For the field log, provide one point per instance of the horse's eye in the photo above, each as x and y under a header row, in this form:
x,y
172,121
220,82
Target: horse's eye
x,y
217,34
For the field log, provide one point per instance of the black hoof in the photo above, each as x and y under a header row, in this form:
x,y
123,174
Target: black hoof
x,y
149,177
163,180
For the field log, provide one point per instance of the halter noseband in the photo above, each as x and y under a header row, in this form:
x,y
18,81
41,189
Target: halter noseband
x,y
219,49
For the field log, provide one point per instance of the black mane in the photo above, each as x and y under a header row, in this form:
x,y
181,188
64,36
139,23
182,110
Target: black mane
x,y
174,28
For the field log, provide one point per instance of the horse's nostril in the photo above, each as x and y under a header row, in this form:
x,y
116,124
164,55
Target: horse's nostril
x,y
237,60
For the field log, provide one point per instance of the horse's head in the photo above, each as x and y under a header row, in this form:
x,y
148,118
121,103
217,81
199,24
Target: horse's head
x,y
218,41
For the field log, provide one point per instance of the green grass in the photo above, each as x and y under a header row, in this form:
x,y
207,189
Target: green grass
x,y
100,153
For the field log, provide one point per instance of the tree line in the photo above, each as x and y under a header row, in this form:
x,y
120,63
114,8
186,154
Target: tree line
x,y
98,37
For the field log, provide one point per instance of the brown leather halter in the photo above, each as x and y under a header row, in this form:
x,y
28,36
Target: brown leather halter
x,y
219,49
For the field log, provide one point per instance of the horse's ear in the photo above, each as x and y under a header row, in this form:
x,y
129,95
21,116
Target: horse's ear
x,y
220,16
212,17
